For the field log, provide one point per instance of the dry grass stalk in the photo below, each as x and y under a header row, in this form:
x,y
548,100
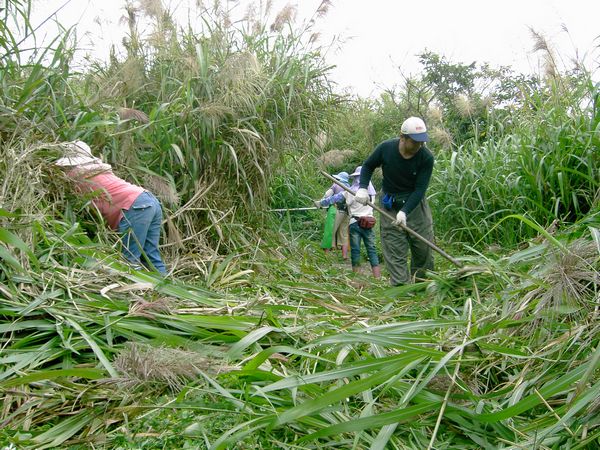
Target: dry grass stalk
x,y
251,15
314,37
568,280
133,114
286,15
434,114
239,69
173,236
336,158
143,308
323,8
541,44
441,383
321,139
163,189
215,110
133,74
141,364
158,39
487,103
442,137
464,105
130,19
152,8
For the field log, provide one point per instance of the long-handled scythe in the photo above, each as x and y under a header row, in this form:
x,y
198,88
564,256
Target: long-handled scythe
x,y
308,208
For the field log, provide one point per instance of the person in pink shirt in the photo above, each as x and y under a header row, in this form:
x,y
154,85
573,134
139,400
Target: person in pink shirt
x,y
127,208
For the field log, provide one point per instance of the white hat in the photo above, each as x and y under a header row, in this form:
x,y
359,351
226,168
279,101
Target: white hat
x,y
76,154
415,129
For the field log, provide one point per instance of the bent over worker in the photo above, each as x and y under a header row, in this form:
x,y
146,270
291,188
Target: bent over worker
x,y
127,208
407,165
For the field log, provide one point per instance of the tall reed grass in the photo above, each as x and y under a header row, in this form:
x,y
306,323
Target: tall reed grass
x,y
545,166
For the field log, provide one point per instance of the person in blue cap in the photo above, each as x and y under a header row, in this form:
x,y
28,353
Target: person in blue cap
x,y
407,165
338,216
361,222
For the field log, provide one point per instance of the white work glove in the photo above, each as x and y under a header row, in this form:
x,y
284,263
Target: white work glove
x,y
400,218
362,196
318,203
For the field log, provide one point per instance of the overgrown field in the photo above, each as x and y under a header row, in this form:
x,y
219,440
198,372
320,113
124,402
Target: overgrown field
x,y
257,339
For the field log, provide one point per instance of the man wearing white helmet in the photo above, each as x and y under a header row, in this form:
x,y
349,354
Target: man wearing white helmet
x,y
407,166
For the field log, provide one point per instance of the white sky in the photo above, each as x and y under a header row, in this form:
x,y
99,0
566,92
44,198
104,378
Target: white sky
x,y
380,38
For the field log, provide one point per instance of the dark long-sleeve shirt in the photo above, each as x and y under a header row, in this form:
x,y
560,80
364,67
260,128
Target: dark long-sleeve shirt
x,y
406,178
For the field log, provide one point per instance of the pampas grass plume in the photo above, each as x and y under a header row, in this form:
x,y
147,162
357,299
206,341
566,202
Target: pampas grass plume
x,y
441,137
464,105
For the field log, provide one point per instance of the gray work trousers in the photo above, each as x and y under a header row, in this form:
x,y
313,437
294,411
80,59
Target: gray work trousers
x,y
397,242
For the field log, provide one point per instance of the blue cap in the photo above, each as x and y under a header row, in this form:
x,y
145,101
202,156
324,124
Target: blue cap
x,y
343,177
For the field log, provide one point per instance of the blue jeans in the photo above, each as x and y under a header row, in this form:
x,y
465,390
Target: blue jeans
x,y
140,232
368,237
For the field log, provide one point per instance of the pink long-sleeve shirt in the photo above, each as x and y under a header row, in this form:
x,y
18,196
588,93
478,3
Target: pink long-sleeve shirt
x,y
112,195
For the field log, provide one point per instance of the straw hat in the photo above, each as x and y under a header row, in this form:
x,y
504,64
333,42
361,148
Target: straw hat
x,y
76,154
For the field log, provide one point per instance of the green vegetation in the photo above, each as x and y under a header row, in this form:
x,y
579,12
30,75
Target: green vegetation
x,y
258,339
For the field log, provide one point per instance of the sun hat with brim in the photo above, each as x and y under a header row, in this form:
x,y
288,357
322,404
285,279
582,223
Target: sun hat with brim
x,y
415,128
76,154
356,172
343,177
